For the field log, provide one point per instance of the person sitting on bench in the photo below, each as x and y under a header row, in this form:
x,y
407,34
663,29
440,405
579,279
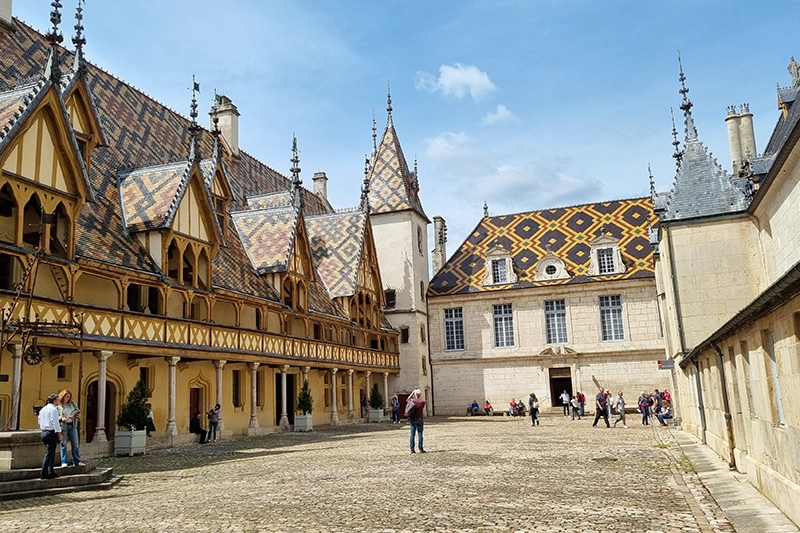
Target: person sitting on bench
x,y
194,427
472,410
665,413
487,408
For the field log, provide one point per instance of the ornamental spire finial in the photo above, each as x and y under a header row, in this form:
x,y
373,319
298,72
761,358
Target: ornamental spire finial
x,y
677,154
686,105
297,196
485,210
79,40
194,127
374,134
652,182
215,117
54,37
389,101
365,186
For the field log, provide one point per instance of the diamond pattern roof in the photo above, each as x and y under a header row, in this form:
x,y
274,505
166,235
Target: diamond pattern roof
x,y
149,196
568,230
267,236
336,244
392,186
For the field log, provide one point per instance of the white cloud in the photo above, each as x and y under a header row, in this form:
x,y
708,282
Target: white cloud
x,y
502,114
457,80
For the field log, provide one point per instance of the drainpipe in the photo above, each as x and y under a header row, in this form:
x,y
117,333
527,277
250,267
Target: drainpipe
x,y
700,401
726,406
430,362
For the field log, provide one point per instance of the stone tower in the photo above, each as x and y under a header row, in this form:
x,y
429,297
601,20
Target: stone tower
x,y
400,227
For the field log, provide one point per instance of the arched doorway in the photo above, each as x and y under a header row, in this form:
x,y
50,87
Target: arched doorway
x,y
90,417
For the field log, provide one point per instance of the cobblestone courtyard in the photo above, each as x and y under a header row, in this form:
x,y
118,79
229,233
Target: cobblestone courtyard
x,y
479,475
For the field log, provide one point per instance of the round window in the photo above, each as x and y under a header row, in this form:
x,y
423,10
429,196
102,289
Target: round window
x,y
550,270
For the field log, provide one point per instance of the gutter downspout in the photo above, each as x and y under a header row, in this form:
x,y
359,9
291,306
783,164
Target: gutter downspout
x,y
681,333
430,363
700,405
726,406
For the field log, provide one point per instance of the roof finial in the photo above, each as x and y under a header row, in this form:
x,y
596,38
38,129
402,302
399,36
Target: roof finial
x,y
79,40
365,187
415,181
53,68
194,127
389,101
677,154
215,117
297,197
652,182
374,134
485,210
686,104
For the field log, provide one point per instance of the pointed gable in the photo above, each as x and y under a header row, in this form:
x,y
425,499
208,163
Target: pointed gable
x,y
337,242
148,196
268,237
392,186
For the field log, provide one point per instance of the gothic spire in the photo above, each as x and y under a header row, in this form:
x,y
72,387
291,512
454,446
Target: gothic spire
x,y
677,154
365,187
686,105
53,69
297,183
79,40
194,127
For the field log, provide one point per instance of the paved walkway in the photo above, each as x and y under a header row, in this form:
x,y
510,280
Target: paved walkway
x,y
479,475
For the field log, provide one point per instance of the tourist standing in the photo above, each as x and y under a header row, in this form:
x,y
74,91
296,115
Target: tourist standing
x,y
621,411
601,407
415,412
51,435
644,408
213,423
582,403
151,425
68,414
395,410
565,402
575,408
533,407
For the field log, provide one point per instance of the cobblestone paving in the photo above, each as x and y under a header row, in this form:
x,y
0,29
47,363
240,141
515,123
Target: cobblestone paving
x,y
479,475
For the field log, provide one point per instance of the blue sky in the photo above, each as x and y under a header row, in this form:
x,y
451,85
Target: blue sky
x,y
525,105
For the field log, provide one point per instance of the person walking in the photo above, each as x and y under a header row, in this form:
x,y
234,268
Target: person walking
x,y
51,435
533,407
213,423
644,408
565,402
582,403
415,412
601,407
69,414
621,411
395,410
576,412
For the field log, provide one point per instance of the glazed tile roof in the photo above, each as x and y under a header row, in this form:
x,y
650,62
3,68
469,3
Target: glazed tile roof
x,y
568,230
268,236
270,201
336,244
392,186
12,105
149,196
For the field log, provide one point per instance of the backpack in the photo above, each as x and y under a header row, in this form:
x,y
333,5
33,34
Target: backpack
x,y
411,409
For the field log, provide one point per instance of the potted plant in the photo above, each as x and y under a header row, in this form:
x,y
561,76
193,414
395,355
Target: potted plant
x,y
376,402
131,436
305,404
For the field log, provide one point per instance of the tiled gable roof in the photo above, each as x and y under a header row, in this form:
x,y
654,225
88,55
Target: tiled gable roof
x,y
14,104
392,186
149,196
336,244
569,231
268,236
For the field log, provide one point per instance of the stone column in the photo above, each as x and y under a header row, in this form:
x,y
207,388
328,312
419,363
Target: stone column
x,y
172,428
284,423
367,374
253,394
334,397
349,394
305,370
386,399
16,383
219,364
100,432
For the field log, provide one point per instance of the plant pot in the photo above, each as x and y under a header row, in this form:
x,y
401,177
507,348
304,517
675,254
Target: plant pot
x,y
130,442
303,423
375,415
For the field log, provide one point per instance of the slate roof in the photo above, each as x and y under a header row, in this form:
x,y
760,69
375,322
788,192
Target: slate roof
x,y
568,230
336,244
392,186
147,149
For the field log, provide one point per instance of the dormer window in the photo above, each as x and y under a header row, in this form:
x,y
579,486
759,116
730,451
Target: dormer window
x,y
551,267
499,269
606,256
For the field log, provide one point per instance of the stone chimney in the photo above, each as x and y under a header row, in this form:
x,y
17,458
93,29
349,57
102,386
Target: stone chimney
x,y
228,122
734,138
321,185
747,134
439,255
6,24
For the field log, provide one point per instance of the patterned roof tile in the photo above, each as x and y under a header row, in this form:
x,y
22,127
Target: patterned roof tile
x,y
392,186
149,195
336,244
267,236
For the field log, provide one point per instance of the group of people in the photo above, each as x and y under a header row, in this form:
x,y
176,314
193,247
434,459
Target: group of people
x,y
196,426
575,403
656,404
59,423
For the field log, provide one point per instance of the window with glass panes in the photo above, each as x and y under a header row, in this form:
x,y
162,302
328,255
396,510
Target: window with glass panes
x,y
555,316
503,326
499,271
453,329
611,318
605,261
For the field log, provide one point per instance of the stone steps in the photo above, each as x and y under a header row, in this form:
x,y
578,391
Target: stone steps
x,y
26,483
